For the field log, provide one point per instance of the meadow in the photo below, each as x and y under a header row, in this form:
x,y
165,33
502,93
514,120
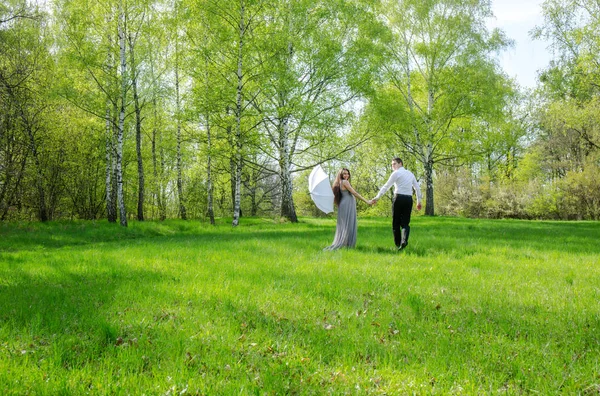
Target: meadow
x,y
186,308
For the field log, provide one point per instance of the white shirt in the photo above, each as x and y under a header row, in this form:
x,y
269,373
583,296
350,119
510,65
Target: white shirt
x,y
404,181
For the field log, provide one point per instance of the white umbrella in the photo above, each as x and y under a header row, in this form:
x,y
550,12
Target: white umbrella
x,y
320,189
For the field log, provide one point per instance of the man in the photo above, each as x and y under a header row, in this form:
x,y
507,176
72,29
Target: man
x,y
404,182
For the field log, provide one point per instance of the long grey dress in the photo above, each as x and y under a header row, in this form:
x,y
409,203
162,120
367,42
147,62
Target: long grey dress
x,y
345,230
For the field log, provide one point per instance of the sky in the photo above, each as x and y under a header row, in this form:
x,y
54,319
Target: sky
x,y
517,18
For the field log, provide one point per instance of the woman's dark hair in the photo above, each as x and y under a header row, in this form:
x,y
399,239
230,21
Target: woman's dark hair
x,y
337,192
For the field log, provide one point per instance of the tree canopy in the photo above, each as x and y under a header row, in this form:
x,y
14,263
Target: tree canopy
x,y
150,109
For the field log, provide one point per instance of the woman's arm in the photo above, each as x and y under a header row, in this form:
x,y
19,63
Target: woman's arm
x,y
348,187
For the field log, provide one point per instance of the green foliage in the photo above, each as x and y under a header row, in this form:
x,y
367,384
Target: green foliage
x,y
439,83
571,27
573,197
569,143
581,194
418,78
470,307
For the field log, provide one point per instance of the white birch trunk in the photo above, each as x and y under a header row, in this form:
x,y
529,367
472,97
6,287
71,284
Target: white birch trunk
x,y
238,114
119,153
287,201
429,202
285,157
111,212
182,210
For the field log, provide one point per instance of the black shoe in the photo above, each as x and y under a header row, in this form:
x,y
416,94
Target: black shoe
x,y
399,248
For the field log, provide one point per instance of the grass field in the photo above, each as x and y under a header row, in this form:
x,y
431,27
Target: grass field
x,y
470,307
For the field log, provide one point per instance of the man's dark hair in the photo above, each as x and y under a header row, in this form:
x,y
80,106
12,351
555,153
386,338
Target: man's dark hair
x,y
398,161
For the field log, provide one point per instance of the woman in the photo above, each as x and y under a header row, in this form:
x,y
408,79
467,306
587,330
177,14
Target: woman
x,y
343,193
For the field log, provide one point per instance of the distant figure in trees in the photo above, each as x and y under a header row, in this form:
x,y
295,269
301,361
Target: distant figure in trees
x,y
345,231
404,183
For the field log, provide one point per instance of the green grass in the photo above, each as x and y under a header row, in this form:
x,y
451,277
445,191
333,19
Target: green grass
x,y
470,307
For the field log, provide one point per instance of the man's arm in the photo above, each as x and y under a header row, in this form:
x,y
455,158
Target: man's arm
x,y
386,186
417,189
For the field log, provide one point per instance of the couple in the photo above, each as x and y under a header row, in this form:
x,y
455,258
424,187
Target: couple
x,y
403,181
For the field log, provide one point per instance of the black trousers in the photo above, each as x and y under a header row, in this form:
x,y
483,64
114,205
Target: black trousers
x,y
401,209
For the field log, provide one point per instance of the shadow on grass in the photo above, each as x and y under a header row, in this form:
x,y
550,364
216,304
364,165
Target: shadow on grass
x,y
38,236
428,235
464,237
70,313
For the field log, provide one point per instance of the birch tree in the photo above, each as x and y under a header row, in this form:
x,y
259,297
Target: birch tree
x,y
156,137
315,65
122,32
232,29
132,41
104,80
441,76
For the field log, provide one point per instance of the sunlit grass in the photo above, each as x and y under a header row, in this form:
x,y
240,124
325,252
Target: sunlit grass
x,y
471,306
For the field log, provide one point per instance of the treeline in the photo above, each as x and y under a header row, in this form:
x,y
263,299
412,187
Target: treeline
x,y
150,109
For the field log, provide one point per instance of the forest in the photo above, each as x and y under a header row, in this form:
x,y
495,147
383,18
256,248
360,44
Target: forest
x,y
200,109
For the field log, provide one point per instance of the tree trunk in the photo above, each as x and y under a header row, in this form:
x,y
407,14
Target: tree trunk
x,y
111,214
238,116
39,176
12,166
155,170
182,210
232,172
163,188
119,154
253,204
238,184
113,148
15,186
209,184
428,165
111,207
231,142
429,204
39,179
287,201
157,175
138,133
8,167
